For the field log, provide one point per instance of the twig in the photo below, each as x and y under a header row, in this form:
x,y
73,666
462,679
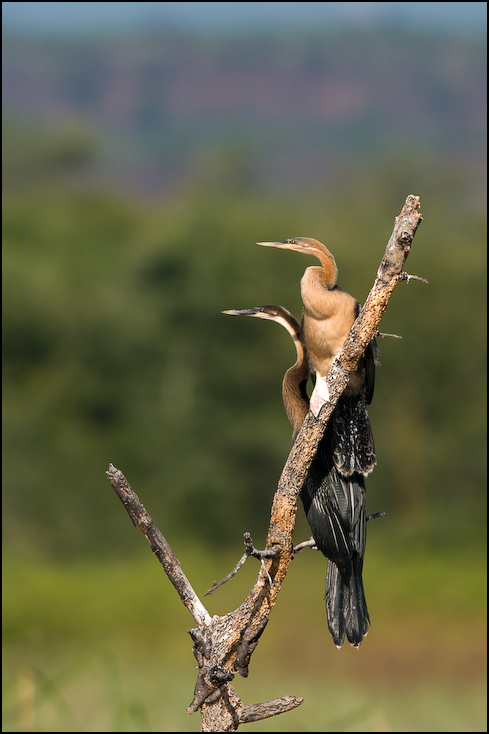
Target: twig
x,y
375,515
311,543
227,578
407,277
250,550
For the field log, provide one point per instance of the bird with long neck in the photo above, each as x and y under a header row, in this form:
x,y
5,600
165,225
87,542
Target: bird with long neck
x,y
327,317
294,394
334,504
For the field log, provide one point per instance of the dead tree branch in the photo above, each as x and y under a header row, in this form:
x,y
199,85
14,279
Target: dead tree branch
x,y
142,519
224,645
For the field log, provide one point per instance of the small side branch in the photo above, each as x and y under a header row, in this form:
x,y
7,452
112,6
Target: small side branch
x,y
250,550
407,277
259,711
142,519
375,515
311,543
227,578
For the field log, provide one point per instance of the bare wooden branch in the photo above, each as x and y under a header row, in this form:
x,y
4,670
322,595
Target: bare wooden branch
x,y
259,711
407,277
223,645
142,519
311,543
375,515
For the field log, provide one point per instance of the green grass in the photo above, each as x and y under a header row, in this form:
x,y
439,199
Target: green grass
x,y
105,648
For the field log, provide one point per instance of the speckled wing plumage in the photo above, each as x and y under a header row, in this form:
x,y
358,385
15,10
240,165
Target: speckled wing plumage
x,y
352,441
350,435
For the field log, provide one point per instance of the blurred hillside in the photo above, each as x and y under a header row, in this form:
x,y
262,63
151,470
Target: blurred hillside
x,y
297,108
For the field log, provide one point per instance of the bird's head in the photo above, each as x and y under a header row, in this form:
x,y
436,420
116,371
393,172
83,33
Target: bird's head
x,y
307,245
271,313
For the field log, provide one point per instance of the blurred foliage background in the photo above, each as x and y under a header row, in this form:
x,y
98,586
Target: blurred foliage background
x,y
125,236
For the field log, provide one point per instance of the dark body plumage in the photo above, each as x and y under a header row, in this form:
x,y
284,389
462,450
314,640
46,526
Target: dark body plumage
x,y
334,503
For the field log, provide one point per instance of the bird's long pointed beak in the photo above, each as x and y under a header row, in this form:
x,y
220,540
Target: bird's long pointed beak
x,y
284,244
241,311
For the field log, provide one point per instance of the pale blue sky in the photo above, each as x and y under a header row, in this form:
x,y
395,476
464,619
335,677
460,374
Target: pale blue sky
x,y
63,17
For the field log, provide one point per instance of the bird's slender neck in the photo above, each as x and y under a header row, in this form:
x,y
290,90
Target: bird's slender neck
x,y
296,401
330,271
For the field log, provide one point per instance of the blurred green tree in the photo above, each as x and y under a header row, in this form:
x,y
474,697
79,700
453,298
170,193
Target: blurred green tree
x,y
115,349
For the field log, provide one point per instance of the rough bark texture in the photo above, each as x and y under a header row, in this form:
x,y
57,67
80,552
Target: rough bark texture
x,y
223,645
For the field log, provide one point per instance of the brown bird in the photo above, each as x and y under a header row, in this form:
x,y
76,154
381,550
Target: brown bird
x,y
327,317
334,504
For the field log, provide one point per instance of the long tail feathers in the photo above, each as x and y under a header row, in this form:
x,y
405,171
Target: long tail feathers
x,y
346,607
333,495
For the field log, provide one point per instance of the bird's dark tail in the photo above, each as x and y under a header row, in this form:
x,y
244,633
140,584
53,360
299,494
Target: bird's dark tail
x,y
346,607
335,510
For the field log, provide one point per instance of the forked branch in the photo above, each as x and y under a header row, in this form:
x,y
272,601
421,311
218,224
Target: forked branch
x,y
224,645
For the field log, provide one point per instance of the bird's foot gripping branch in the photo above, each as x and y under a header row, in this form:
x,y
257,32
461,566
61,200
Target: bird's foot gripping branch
x,y
223,645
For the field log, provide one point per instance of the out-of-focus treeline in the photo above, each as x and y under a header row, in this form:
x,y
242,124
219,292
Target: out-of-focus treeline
x,y
306,106
115,349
